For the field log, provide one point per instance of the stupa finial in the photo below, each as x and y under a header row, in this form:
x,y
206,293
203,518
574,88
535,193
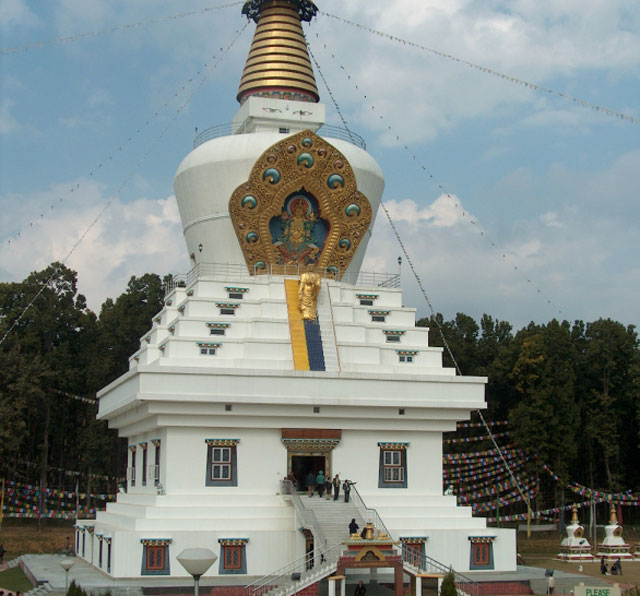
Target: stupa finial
x,y
306,9
574,515
278,65
613,518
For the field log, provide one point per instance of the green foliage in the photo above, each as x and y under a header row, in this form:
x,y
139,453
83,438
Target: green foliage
x,y
75,590
448,587
58,345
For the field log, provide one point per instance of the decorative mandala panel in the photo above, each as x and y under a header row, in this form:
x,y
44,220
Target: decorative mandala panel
x,y
300,207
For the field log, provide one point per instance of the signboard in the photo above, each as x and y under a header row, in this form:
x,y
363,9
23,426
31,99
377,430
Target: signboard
x,y
583,590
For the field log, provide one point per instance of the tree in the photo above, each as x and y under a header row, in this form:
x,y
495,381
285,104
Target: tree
x,y
448,587
545,421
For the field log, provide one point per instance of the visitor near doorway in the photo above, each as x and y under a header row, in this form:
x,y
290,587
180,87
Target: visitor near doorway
x,y
311,483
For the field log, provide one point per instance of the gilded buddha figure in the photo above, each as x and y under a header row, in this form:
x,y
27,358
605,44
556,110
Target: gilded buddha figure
x,y
308,290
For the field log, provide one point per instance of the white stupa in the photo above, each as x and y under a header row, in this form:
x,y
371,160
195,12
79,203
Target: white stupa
x,y
575,546
613,546
236,385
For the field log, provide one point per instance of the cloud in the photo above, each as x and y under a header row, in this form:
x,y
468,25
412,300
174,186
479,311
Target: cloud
x,y
16,13
128,239
7,122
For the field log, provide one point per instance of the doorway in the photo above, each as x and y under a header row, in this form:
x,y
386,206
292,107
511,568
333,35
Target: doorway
x,y
301,465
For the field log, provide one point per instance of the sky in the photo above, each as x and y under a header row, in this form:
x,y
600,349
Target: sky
x,y
510,200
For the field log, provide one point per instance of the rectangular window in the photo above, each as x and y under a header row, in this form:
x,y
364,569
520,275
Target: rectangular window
x,y
393,469
156,470
236,295
481,554
233,557
216,331
100,554
132,470
208,351
366,302
221,464
283,131
412,553
393,339
378,318
227,311
393,466
406,358
144,467
109,556
155,558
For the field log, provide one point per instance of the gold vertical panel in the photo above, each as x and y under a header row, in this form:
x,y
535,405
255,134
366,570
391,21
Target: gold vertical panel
x,y
296,326
278,64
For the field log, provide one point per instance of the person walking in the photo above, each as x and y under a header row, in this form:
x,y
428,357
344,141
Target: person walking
x,y
311,483
328,486
320,480
353,526
361,590
551,584
336,487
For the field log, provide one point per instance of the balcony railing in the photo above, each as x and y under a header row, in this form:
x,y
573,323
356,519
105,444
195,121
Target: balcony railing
x,y
236,271
326,130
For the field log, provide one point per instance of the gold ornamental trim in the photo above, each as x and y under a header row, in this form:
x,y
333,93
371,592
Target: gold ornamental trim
x,y
300,206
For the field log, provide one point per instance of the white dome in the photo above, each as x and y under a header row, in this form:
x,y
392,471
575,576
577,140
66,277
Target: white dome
x,y
207,177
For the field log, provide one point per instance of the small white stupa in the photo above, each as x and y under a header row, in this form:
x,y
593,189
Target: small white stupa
x,y
613,546
574,546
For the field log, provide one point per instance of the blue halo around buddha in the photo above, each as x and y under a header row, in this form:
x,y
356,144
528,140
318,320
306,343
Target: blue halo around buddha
x,y
272,175
352,210
305,158
249,201
334,181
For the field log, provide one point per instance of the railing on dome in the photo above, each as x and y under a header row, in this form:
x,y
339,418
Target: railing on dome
x,y
326,130
233,271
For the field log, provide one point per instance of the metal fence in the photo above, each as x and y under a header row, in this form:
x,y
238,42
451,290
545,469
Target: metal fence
x,y
326,130
237,272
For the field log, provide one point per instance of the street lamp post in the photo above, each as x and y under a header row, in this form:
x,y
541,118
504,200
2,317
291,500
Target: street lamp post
x,y
196,561
66,564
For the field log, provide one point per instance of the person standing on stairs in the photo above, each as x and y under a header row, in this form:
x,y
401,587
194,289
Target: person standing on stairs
x,y
361,590
336,487
311,483
320,480
328,486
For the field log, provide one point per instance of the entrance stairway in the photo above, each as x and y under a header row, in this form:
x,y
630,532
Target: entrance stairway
x,y
328,520
333,517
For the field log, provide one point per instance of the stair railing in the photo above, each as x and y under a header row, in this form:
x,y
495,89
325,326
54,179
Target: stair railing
x,y
368,514
308,517
312,565
426,564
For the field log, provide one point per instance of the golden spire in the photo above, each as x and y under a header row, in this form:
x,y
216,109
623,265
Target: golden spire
x,y
574,515
613,518
278,64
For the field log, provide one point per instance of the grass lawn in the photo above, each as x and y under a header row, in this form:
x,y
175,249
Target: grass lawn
x,y
13,579
21,536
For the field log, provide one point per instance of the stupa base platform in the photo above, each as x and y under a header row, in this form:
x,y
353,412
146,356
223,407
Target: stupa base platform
x,y
575,555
